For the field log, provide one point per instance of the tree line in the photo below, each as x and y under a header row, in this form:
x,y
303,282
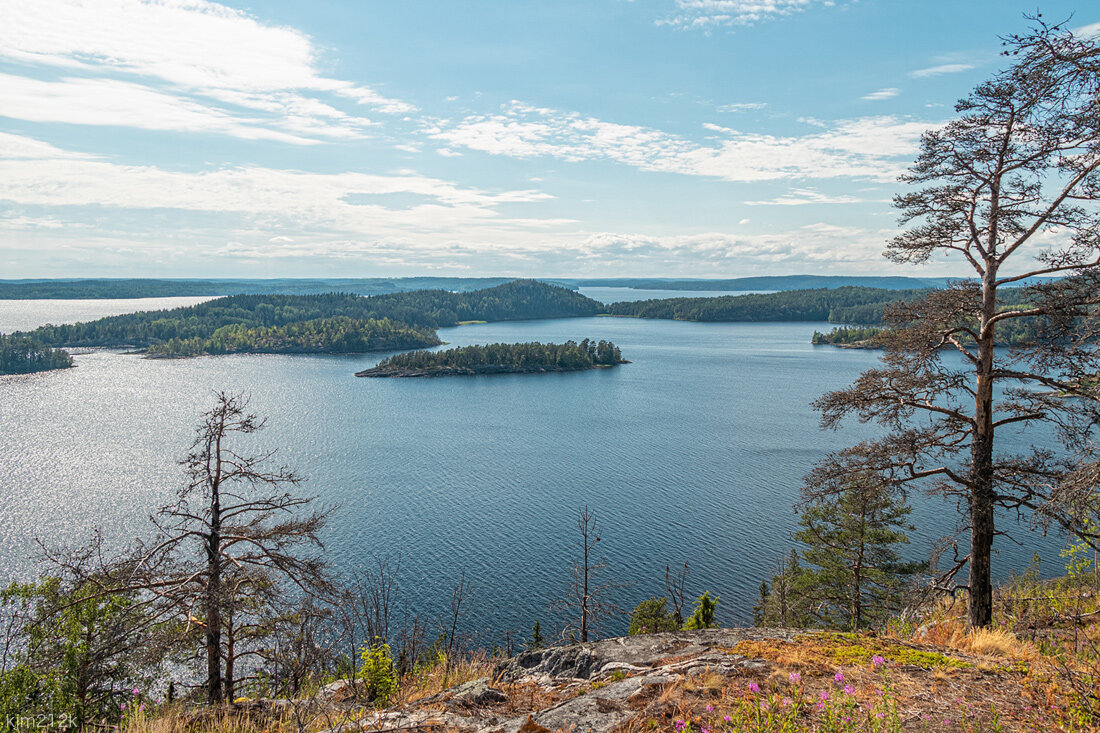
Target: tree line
x,y
821,304
336,335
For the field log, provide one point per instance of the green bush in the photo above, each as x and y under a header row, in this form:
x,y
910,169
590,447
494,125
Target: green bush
x,y
650,617
703,615
377,673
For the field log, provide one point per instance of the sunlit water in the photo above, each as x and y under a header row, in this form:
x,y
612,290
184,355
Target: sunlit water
x,y
693,452
24,315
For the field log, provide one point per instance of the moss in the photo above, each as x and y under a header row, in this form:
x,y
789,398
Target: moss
x,y
928,660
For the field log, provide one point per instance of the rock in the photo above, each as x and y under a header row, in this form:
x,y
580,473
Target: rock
x,y
631,653
338,691
475,693
530,726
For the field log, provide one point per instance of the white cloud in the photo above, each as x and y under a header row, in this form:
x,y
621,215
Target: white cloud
x,y
804,196
112,102
1088,31
742,106
37,175
706,14
887,93
876,147
822,246
175,58
939,70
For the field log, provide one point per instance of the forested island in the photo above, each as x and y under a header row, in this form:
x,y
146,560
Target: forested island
x,y
24,355
328,323
525,358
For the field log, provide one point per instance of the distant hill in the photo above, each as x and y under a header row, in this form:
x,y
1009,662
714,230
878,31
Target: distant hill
x,y
766,282
101,288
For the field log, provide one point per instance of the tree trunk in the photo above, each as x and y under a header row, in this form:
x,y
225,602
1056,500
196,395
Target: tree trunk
x,y
981,467
230,652
214,693
214,689
584,593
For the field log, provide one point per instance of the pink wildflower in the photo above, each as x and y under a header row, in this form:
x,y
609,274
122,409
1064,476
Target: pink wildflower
x,y
849,690
838,677
753,687
796,678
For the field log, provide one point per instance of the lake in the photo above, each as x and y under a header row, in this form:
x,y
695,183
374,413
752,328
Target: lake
x,y
694,452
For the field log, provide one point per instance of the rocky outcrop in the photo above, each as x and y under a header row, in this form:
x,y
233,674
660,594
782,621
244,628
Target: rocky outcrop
x,y
583,688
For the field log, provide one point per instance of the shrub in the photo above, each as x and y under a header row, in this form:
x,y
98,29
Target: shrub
x,y
650,617
377,673
703,615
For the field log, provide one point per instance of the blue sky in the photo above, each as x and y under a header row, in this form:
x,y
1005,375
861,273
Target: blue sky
x,y
653,138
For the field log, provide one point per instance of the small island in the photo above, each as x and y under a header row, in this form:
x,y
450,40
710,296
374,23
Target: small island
x,y
528,358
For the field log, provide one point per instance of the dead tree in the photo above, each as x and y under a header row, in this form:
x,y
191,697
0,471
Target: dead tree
x,y
675,589
232,519
586,596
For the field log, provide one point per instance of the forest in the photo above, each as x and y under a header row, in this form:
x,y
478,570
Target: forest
x,y
500,359
336,335
836,305
23,355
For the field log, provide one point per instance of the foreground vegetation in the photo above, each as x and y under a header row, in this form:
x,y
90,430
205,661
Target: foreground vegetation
x,y
500,359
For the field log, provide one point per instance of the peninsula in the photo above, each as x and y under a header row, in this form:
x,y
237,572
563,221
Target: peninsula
x,y
528,358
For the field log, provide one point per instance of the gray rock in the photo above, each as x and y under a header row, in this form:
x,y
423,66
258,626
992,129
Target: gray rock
x,y
585,661
475,693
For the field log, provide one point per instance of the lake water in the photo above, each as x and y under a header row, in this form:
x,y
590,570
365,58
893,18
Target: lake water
x,y
693,452
24,315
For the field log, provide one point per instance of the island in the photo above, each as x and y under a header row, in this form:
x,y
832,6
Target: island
x,y
527,358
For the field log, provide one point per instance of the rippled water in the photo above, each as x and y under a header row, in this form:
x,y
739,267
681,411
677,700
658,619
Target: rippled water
x,y
693,452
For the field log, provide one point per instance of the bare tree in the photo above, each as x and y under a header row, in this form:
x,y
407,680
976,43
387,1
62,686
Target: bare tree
x,y
1010,186
676,592
458,597
586,596
232,525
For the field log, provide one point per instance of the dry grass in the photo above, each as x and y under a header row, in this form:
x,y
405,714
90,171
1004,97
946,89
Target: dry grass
x,y
178,719
431,680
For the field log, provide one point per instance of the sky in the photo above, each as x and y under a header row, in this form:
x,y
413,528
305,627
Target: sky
x,y
540,138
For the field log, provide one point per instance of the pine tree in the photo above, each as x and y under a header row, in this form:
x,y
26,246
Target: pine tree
x,y
851,530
